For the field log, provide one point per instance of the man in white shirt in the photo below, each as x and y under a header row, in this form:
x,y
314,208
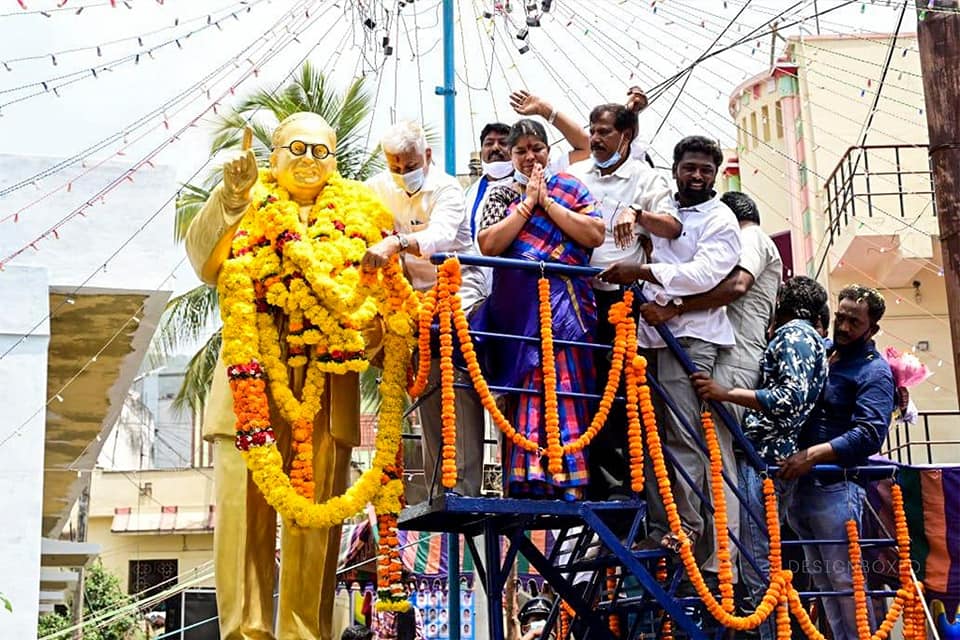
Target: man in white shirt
x,y
429,217
635,201
704,254
749,294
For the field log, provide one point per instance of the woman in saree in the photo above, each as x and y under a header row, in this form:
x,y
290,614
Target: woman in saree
x,y
540,218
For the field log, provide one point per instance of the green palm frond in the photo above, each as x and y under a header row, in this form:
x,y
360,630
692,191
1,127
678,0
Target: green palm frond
x,y
228,134
189,202
186,320
188,316
198,376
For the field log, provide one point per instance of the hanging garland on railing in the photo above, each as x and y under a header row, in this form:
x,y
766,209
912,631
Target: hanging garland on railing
x,y
448,302
780,598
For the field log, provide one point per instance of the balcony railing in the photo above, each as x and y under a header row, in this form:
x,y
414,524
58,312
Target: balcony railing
x,y
922,442
878,182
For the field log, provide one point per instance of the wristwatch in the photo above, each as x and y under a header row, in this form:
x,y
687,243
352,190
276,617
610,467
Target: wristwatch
x,y
664,300
404,241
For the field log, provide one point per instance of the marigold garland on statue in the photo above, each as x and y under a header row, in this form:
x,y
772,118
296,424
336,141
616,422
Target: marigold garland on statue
x,y
307,274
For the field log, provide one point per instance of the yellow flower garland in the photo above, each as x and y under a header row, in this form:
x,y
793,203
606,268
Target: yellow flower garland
x,y
308,273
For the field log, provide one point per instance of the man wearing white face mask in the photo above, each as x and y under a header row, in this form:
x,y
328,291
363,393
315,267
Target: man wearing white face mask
x,y
429,217
635,202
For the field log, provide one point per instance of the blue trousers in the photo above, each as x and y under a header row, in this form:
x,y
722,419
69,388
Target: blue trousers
x,y
818,512
755,538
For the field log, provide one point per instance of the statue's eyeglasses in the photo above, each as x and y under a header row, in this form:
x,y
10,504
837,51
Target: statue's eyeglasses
x,y
299,147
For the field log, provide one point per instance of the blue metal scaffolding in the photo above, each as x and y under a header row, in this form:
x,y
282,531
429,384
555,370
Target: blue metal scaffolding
x,y
592,536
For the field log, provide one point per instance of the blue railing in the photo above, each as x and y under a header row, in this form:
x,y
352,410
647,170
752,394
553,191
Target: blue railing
x,y
865,472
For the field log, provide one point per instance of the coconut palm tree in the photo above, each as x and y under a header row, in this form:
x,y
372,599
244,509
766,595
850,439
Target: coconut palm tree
x,y
189,317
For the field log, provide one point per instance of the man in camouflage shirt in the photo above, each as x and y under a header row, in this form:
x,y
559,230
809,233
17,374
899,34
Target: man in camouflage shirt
x,y
793,371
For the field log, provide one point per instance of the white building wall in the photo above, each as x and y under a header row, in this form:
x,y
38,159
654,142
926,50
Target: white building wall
x,y
23,380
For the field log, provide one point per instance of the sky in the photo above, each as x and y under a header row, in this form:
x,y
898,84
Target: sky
x,y
583,54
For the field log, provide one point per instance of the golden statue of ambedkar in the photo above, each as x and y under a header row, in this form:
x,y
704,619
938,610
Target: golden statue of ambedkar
x,y
302,164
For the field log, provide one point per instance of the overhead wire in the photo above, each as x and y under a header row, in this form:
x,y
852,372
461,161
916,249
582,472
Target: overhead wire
x,y
481,38
47,85
416,55
123,245
120,135
839,114
933,316
98,48
690,73
127,175
119,249
50,11
929,264
466,71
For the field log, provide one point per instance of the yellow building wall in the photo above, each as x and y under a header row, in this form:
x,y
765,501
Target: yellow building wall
x,y
191,551
838,77
762,163
185,489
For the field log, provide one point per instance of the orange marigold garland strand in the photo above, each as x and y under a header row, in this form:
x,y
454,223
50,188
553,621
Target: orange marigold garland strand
x,y
859,583
618,317
919,617
427,312
447,281
567,614
551,406
776,555
904,596
613,622
638,399
803,618
778,583
666,628
725,573
390,589
489,402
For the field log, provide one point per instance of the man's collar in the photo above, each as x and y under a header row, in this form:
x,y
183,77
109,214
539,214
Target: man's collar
x,y
623,171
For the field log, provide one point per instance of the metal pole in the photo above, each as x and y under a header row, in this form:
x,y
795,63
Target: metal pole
x,y
938,34
448,91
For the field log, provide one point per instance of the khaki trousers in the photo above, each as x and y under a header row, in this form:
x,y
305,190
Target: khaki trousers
x,y
470,425
244,541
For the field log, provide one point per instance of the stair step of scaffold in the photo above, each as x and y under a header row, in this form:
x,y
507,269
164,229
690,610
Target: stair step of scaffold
x,y
451,513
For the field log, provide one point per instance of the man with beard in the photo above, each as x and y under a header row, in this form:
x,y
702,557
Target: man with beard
x,y
705,253
635,202
749,294
849,424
